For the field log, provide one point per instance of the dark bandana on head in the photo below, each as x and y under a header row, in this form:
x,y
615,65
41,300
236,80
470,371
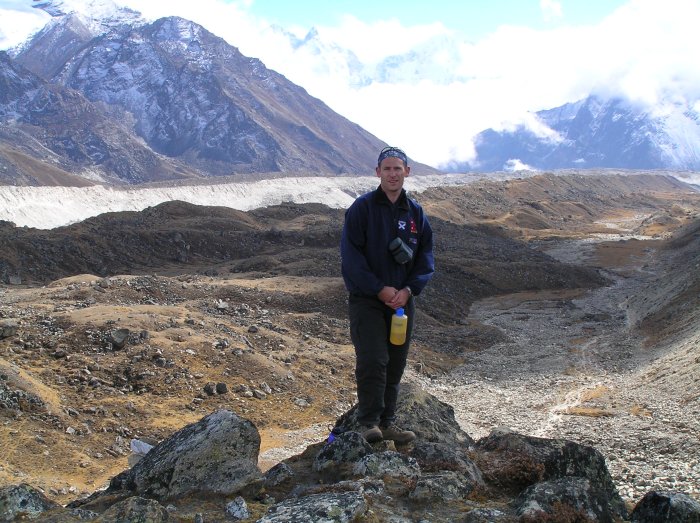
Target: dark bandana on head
x,y
394,152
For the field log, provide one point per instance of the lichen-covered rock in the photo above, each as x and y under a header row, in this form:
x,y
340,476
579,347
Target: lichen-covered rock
x,y
320,508
278,475
399,472
385,464
434,457
570,498
504,478
337,458
666,507
488,515
23,501
135,510
441,486
237,509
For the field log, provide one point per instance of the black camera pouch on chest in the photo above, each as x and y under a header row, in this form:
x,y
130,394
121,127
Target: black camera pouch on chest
x,y
401,252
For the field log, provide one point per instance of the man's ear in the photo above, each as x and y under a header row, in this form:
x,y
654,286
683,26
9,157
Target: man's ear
x,y
408,170
378,171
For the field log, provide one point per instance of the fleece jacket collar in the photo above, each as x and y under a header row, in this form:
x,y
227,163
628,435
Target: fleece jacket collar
x,y
381,197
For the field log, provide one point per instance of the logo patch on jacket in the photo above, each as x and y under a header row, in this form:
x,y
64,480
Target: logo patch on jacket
x,y
414,229
402,225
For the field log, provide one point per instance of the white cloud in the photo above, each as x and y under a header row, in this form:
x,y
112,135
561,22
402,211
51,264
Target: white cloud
x,y
551,10
17,22
656,46
515,164
381,39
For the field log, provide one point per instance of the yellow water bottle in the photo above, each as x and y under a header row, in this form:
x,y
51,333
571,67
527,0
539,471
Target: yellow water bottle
x,y
399,324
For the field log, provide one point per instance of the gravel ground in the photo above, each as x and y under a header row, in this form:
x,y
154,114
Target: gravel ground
x,y
573,368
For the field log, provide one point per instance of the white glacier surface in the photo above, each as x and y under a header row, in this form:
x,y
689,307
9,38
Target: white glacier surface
x,y
51,207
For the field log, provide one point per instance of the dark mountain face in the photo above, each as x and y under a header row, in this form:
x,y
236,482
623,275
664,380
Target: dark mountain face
x,y
188,98
15,83
54,45
592,133
50,134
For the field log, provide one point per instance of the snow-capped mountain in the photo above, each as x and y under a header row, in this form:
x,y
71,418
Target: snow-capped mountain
x,y
189,99
79,21
597,133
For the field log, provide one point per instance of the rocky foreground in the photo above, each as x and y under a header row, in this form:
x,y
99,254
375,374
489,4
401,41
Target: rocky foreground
x,y
208,471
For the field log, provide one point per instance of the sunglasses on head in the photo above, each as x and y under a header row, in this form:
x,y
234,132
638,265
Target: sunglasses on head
x,y
394,152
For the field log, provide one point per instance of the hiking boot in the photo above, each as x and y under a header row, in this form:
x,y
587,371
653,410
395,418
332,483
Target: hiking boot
x,y
371,433
397,435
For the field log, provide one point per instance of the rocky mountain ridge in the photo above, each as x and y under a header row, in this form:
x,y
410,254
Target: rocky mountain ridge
x,y
172,101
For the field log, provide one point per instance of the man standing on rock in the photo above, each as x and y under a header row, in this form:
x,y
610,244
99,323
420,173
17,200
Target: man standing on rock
x,y
381,279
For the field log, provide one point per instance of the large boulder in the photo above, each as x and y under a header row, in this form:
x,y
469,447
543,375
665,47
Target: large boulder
x,y
399,472
434,457
443,486
8,328
218,455
442,476
516,461
337,458
666,507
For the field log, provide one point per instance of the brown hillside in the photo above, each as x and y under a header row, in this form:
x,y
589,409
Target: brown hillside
x,y
254,302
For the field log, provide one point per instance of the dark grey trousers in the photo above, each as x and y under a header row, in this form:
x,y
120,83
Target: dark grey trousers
x,y
379,365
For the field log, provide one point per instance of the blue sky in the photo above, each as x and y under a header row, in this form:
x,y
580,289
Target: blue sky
x,y
485,64
474,18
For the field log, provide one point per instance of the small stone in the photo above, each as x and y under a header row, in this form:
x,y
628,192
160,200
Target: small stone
x,y
237,509
118,338
210,388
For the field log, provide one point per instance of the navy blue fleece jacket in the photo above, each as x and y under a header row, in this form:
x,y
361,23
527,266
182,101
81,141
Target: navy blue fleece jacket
x,y
371,223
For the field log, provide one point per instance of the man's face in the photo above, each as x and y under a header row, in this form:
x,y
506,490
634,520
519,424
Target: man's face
x,y
392,172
